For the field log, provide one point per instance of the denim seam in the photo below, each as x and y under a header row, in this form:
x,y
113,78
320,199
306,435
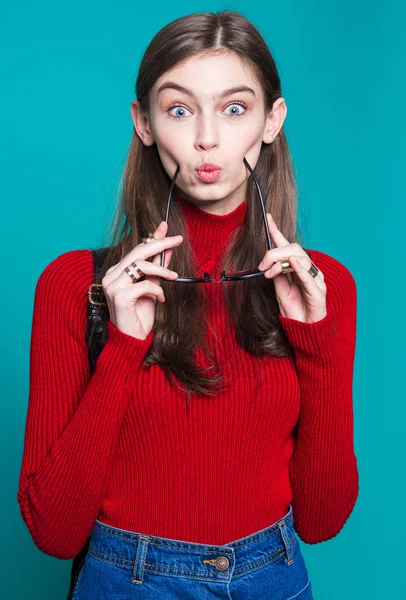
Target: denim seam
x,y
274,556
139,562
218,575
302,590
244,570
289,543
224,552
151,568
179,547
76,585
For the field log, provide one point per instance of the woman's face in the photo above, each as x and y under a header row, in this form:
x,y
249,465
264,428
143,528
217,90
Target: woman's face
x,y
203,123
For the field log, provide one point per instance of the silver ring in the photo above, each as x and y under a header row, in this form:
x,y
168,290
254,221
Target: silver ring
x,y
313,270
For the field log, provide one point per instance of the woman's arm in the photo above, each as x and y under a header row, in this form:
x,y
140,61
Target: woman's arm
x,y
323,468
73,418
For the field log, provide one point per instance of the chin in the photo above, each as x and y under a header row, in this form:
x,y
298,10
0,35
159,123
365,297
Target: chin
x,y
209,191
211,194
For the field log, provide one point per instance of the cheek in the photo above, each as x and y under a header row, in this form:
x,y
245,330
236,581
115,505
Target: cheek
x,y
248,145
239,140
171,143
171,153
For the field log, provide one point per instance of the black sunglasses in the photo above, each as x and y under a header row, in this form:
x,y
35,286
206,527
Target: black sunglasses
x,y
238,275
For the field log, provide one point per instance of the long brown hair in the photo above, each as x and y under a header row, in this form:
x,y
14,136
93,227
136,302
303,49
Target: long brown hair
x,y
252,306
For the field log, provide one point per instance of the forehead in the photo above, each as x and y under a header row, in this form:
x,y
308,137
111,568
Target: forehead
x,y
207,75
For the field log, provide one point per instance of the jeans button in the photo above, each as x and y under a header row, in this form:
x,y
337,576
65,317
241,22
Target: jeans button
x,y
222,563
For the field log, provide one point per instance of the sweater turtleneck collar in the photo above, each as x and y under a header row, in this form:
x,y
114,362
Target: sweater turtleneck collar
x,y
209,233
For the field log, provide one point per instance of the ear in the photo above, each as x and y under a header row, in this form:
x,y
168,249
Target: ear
x,y
275,120
141,124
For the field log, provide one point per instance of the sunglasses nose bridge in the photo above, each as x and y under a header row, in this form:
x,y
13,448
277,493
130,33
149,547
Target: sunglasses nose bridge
x,y
210,278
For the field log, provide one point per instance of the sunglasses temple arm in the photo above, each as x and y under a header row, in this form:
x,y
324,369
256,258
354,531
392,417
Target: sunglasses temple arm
x,y
167,208
268,236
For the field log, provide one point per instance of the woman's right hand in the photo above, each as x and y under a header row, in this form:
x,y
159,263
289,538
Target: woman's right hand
x,y
132,305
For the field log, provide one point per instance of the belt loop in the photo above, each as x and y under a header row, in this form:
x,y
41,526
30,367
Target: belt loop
x,y
138,570
289,560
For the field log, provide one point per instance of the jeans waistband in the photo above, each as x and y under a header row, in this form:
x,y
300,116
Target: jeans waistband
x,y
142,552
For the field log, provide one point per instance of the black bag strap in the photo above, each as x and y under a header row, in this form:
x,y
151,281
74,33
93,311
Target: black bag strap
x,y
96,335
97,310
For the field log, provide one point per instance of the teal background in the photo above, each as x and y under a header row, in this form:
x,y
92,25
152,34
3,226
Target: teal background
x,y
68,74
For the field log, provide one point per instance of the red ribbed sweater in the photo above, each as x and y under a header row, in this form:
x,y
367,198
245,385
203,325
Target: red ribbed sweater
x,y
118,445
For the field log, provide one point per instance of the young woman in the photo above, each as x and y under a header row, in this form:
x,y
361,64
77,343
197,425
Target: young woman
x,y
217,427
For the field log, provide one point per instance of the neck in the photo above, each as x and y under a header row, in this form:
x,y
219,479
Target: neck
x,y
209,233
220,207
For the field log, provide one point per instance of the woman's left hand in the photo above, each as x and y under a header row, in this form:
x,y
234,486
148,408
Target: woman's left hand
x,y
305,298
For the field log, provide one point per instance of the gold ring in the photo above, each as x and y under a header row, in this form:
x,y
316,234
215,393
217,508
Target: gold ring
x,y
131,274
150,238
287,268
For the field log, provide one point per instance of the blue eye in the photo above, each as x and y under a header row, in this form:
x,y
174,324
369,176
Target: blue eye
x,y
237,104
179,107
183,108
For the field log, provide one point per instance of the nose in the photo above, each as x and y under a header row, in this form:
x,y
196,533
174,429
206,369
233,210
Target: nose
x,y
207,135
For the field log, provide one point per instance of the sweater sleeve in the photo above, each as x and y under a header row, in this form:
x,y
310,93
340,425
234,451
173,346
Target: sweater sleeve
x,y
73,419
323,468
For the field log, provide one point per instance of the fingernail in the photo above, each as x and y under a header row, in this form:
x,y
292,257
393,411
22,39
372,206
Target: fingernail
x,y
260,266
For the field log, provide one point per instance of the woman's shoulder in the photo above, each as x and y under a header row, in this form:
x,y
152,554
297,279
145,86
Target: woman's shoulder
x,y
68,273
332,269
338,278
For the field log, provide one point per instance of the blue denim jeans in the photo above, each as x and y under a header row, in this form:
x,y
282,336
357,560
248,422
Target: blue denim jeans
x,y
124,565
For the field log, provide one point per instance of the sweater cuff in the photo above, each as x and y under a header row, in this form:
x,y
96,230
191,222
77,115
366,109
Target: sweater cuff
x,y
310,339
120,347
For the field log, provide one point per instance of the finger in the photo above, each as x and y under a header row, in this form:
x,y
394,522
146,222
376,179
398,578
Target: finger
x,y
157,261
151,249
154,270
301,266
118,267
282,281
152,273
147,250
277,236
280,249
276,254
142,288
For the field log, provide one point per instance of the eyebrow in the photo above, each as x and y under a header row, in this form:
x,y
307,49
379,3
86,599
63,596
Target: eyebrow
x,y
228,92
